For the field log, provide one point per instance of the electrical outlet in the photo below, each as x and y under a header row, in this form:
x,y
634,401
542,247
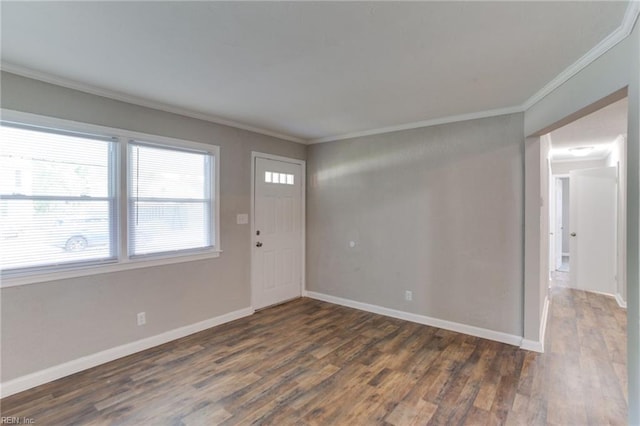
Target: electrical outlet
x,y
408,295
142,318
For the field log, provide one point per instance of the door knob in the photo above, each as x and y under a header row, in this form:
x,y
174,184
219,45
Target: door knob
x,y
573,234
258,244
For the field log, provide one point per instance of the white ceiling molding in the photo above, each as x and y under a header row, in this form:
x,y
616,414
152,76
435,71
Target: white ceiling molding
x,y
118,96
622,32
418,124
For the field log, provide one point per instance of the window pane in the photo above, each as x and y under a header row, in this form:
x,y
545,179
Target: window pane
x,y
56,199
168,226
38,233
167,173
169,200
39,163
289,179
267,177
283,178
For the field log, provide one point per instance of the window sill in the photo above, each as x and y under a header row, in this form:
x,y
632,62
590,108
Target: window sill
x,y
104,269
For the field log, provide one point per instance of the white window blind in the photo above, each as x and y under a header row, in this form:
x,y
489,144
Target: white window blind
x,y
170,199
58,203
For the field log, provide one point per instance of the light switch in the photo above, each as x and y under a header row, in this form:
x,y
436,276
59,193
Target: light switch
x,y
242,219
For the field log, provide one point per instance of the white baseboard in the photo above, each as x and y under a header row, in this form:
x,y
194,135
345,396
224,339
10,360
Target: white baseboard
x,y
538,346
621,302
598,292
532,345
37,378
484,333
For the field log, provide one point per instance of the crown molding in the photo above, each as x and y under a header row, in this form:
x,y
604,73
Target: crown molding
x,y
136,100
619,34
623,31
418,124
119,96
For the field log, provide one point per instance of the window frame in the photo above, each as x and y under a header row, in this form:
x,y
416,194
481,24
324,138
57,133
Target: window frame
x,y
207,185
111,199
123,260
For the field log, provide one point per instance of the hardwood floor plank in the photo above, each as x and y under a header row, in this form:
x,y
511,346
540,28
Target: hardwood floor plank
x,y
312,363
412,414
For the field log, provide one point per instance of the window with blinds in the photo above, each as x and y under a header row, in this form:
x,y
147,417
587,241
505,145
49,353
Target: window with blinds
x,y
170,199
71,201
58,204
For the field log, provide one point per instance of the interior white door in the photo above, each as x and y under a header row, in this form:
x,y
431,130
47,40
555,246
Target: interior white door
x,y
592,206
558,232
277,240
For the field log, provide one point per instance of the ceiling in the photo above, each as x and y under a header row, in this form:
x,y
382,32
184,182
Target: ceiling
x,y
598,130
308,70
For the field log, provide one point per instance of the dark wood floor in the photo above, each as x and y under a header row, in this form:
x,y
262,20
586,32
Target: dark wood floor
x,y
308,362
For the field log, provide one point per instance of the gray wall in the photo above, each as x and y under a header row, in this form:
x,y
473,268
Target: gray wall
x,y
616,69
436,210
53,322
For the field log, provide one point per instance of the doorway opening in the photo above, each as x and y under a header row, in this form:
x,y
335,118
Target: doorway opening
x,y
559,249
583,219
587,202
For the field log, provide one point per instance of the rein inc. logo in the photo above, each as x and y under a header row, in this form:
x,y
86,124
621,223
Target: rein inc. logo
x,y
17,420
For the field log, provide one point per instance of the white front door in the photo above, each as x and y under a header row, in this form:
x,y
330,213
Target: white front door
x,y
593,222
277,232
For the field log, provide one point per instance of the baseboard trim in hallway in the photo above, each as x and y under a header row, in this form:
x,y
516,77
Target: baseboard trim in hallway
x,y
621,302
484,333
